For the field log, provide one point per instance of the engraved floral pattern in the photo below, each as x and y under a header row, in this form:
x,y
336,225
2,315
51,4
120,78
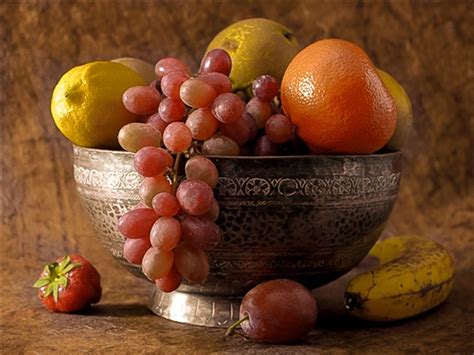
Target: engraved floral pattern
x,y
316,221
106,179
320,187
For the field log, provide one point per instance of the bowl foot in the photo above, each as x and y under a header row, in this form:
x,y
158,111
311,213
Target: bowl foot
x,y
195,309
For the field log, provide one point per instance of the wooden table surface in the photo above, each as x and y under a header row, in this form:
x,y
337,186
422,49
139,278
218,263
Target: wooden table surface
x,y
428,46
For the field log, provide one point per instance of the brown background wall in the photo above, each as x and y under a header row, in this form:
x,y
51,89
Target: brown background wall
x,y
427,46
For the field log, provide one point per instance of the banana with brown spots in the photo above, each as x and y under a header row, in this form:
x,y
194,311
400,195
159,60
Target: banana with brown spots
x,y
414,275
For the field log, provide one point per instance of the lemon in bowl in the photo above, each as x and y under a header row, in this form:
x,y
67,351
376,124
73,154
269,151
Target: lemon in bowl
x,y
404,112
87,103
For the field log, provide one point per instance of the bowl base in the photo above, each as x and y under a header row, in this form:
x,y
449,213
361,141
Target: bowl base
x,y
195,309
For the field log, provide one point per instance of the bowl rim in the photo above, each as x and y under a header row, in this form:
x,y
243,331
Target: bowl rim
x,y
266,157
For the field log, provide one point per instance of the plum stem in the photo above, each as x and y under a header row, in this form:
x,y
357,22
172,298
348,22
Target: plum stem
x,y
231,330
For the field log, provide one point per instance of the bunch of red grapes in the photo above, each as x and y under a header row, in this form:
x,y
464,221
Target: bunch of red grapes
x,y
192,116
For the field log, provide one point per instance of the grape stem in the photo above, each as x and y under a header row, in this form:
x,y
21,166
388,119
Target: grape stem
x,y
175,172
231,330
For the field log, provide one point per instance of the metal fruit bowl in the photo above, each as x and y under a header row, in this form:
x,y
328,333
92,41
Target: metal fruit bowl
x,y
307,218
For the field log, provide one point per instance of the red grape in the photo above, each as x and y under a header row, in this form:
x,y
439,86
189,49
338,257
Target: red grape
x,y
201,168
165,204
279,128
151,186
260,110
171,110
191,262
228,108
165,233
156,84
194,196
265,147
134,249
252,124
220,145
137,223
265,87
168,157
213,212
177,137
238,131
135,136
140,204
141,100
219,81
157,263
156,122
170,64
275,109
201,233
202,123
171,83
216,61
278,311
150,161
197,93
242,95
171,281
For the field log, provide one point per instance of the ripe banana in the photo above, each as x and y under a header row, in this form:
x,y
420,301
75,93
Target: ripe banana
x,y
414,274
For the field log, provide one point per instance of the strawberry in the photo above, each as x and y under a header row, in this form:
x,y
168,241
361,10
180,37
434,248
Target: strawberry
x,y
69,284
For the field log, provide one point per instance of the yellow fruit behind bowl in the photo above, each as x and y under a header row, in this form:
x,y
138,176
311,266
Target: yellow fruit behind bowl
x,y
404,111
257,46
145,69
87,103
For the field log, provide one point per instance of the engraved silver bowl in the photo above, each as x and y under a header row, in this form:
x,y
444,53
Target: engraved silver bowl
x,y
307,218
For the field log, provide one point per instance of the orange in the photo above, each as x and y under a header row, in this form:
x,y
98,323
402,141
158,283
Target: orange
x,y
333,94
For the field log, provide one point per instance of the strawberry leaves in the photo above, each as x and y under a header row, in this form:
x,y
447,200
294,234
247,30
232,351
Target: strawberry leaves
x,y
69,284
55,277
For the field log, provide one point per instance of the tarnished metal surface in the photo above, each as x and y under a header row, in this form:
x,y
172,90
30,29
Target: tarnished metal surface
x,y
308,218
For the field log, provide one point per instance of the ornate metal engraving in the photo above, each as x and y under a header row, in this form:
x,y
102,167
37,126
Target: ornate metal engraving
x,y
310,218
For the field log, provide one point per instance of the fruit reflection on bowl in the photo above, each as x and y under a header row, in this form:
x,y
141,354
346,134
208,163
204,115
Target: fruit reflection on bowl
x,y
306,218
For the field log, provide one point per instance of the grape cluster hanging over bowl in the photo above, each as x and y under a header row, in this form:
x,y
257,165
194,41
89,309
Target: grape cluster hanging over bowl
x,y
169,231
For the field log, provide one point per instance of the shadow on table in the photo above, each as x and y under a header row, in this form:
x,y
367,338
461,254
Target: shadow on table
x,y
118,310
336,321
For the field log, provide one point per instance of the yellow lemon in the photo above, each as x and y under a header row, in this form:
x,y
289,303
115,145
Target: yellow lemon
x,y
404,111
87,103
145,69
257,46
